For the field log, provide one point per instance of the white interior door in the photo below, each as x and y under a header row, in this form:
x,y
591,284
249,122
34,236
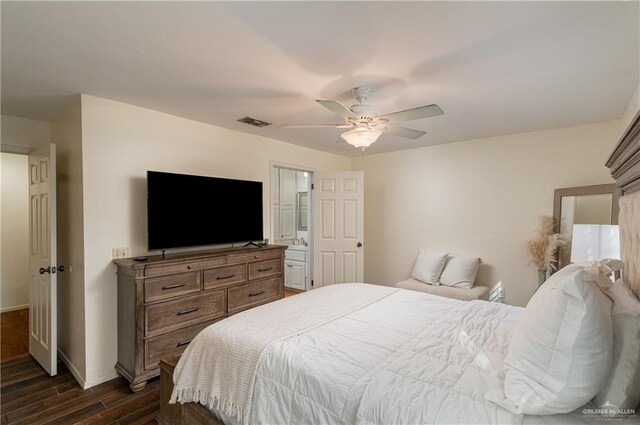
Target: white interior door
x,y
287,204
287,188
287,223
275,205
338,223
43,341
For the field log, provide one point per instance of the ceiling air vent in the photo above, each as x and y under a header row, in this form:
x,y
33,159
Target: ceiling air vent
x,y
254,122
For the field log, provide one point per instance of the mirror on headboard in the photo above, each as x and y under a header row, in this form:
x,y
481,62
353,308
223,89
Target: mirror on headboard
x,y
583,205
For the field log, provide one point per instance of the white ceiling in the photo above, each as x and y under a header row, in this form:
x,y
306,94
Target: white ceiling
x,y
494,67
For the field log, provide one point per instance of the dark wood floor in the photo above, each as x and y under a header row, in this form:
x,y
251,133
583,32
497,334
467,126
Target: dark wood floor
x,y
28,395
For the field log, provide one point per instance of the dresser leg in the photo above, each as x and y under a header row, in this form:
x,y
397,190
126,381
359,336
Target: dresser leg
x,y
137,386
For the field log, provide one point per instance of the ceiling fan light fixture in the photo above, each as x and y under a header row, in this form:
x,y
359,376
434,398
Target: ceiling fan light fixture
x,y
361,137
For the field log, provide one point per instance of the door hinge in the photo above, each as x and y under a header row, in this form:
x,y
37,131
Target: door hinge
x,y
312,283
311,186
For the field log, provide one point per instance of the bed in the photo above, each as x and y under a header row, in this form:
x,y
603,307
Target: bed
x,y
371,355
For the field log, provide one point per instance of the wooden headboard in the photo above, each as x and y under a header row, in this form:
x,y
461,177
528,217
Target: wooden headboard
x,y
624,164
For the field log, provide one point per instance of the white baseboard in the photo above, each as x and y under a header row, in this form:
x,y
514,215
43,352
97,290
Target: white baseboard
x,y
74,371
99,380
84,383
14,308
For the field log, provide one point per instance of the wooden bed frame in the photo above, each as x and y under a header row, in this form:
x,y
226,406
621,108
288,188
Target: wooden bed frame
x,y
624,164
174,414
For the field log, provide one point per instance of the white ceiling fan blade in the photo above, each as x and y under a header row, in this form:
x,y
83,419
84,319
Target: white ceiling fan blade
x,y
317,126
413,114
337,108
407,133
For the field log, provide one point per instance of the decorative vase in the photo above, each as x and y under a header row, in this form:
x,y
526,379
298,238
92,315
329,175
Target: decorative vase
x,y
542,276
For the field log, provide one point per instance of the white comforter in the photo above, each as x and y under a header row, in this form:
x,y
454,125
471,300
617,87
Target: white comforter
x,y
218,368
408,358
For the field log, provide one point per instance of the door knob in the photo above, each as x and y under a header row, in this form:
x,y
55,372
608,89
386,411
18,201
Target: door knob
x,y
359,244
43,270
57,269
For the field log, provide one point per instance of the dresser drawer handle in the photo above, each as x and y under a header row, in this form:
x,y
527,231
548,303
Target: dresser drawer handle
x,y
265,269
180,344
254,294
229,276
189,310
174,286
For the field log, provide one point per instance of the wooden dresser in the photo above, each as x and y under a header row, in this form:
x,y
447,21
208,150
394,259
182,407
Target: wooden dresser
x,y
164,303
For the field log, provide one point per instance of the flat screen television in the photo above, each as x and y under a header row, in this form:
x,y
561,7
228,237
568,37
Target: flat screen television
x,y
188,211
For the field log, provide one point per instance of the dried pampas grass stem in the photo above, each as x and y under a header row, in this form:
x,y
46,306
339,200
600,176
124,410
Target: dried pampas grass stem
x,y
544,246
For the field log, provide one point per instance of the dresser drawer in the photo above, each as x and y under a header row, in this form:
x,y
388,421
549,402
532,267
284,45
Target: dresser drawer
x,y
254,293
225,276
169,269
194,265
169,315
257,255
162,288
261,269
170,344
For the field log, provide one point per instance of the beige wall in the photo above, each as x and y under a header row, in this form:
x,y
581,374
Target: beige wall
x,y
66,133
120,143
14,231
479,197
633,106
20,135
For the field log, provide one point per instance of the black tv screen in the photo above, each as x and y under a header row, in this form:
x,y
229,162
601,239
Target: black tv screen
x,y
185,211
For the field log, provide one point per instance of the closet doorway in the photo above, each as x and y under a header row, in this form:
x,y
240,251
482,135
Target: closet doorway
x,y
291,221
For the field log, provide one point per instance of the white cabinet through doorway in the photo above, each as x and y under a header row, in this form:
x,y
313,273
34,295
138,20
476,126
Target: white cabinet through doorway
x,y
295,274
295,268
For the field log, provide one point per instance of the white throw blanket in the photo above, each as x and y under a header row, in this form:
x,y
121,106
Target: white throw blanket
x,y
218,368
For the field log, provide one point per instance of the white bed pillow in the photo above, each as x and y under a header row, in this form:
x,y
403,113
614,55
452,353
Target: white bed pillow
x,y
560,352
622,388
460,272
428,267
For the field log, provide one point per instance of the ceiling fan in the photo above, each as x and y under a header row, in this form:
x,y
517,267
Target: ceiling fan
x,y
366,124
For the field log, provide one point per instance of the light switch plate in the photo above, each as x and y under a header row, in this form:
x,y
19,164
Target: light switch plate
x,y
119,253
